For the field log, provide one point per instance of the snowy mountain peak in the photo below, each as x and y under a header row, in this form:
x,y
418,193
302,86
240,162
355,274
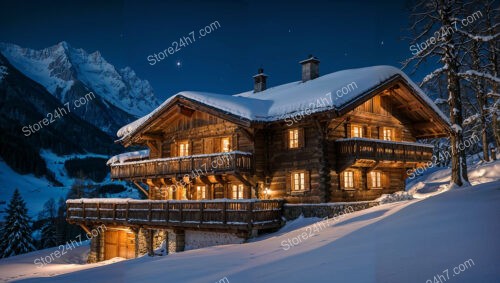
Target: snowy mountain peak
x,y
69,73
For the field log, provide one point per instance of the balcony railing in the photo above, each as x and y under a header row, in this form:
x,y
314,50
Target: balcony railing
x,y
200,164
380,150
222,214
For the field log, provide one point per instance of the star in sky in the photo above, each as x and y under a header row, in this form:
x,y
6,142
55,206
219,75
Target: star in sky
x,y
178,64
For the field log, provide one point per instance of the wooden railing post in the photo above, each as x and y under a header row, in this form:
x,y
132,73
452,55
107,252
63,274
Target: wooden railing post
x,y
150,208
167,213
180,212
202,204
98,211
224,212
83,210
126,211
250,214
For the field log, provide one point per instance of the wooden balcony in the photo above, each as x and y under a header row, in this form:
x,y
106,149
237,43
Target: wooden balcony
x,y
201,164
349,151
242,215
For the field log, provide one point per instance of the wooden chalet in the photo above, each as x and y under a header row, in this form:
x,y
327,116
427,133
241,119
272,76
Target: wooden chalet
x,y
222,163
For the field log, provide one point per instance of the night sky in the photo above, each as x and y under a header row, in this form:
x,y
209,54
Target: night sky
x,y
274,35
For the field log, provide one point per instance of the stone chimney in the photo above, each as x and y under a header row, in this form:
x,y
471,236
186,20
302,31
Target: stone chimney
x,y
259,81
310,68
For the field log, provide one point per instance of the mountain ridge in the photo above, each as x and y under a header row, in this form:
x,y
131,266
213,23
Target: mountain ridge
x,y
69,73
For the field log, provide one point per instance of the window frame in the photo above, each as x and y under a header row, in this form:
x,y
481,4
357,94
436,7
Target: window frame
x,y
228,139
378,181
384,135
240,191
348,183
293,142
360,130
201,192
183,148
300,182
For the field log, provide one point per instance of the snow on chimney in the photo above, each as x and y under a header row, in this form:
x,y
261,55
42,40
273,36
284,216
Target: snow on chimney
x,y
259,81
310,68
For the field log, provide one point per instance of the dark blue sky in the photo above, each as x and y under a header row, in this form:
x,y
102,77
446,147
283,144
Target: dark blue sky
x,y
274,35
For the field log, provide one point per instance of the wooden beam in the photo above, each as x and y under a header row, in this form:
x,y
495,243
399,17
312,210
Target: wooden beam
x,y
246,133
183,110
153,146
204,179
141,188
375,166
85,228
410,105
219,179
242,179
153,137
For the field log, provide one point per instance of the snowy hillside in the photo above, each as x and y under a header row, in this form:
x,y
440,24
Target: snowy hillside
x,y
36,191
409,241
69,73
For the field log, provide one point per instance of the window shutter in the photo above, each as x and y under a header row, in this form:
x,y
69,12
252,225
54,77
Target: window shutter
x,y
207,146
307,180
341,178
357,179
348,133
217,144
285,139
364,134
397,134
173,149
288,182
386,182
369,179
302,138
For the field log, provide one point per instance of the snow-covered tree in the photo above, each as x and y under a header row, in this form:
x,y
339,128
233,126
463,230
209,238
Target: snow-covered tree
x,y
49,227
434,23
16,232
481,67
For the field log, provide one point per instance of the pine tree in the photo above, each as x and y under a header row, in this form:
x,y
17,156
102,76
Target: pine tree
x,y
16,232
49,227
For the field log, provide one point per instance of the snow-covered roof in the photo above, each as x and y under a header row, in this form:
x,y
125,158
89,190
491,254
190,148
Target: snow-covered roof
x,y
276,103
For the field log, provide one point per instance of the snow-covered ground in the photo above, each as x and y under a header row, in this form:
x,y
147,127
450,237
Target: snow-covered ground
x,y
31,265
408,241
436,180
